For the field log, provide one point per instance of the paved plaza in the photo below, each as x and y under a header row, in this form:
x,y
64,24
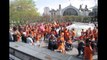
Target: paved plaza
x,y
74,52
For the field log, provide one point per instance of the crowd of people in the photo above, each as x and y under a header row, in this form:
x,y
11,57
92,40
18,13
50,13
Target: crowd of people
x,y
58,40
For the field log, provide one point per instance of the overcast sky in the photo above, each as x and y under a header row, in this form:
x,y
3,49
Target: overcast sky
x,y
54,4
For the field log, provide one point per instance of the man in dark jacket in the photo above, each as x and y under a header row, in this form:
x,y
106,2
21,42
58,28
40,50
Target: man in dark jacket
x,y
80,47
24,38
52,42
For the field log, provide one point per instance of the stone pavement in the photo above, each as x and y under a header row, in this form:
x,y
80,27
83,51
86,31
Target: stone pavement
x,y
71,54
11,57
28,52
74,51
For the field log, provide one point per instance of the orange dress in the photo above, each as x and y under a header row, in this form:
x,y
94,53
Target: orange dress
x,y
38,37
88,53
18,36
67,34
62,39
62,34
61,47
69,41
73,33
32,33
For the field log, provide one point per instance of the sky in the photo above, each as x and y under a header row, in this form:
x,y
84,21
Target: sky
x,y
54,4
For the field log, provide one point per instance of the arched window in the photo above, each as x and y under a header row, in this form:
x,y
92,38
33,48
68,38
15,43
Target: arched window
x,y
91,14
70,11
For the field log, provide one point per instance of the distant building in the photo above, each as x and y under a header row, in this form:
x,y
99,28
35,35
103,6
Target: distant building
x,y
85,11
46,11
55,12
69,10
94,11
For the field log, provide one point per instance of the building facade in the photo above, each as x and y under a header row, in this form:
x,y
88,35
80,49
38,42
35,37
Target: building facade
x,y
69,10
46,11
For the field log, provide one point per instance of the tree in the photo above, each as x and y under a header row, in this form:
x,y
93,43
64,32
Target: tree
x,y
22,11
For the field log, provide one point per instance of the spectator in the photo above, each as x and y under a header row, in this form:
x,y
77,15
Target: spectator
x,y
10,37
24,37
80,47
29,40
73,32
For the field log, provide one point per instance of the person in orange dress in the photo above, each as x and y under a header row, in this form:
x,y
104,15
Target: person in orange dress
x,y
66,34
61,47
38,36
73,32
61,43
95,31
88,52
18,36
62,37
33,33
70,40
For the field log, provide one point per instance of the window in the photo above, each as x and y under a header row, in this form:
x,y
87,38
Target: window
x,y
70,11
